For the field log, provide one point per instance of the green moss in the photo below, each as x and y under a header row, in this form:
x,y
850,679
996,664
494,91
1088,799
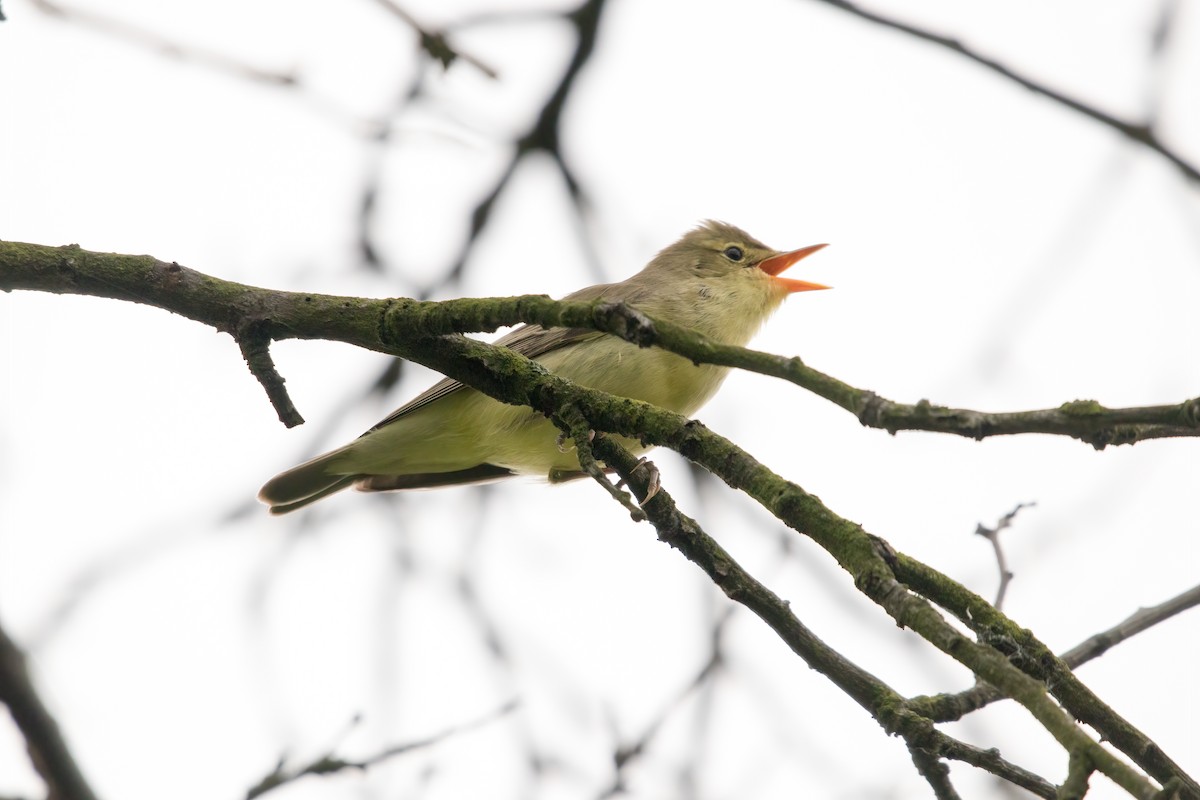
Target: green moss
x,y
1082,408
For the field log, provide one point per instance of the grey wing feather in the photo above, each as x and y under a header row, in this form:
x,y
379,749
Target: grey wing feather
x,y
530,341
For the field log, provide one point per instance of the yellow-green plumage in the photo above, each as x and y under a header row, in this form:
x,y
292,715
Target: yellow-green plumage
x,y
453,434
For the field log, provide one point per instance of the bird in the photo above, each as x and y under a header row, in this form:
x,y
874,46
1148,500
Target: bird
x,y
717,280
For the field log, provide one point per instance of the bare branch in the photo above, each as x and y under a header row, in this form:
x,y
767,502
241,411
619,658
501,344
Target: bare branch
x,y
1137,622
990,760
993,536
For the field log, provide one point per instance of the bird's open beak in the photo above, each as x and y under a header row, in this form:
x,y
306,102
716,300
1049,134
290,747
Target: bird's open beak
x,y
777,264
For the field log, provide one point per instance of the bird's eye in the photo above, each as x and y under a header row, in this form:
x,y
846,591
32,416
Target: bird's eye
x,y
734,253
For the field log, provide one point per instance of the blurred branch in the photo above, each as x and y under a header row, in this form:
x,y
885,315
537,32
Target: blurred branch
x,y
1141,133
1075,787
432,43
142,37
627,754
412,329
330,764
543,136
435,43
409,329
47,749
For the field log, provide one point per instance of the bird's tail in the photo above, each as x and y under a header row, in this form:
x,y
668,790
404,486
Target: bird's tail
x,y
305,484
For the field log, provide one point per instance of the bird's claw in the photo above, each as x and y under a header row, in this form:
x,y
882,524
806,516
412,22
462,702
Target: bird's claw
x,y
653,479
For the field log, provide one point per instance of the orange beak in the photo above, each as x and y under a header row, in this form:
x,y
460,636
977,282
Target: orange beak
x,y
777,264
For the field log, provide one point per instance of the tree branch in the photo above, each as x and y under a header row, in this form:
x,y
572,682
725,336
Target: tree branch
x,y
411,326
150,40
1141,133
1039,662
993,536
1137,622
949,707
543,134
434,42
886,705
47,749
256,350
399,327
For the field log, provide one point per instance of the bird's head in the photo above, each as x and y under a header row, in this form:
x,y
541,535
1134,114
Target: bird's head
x,y
720,280
718,249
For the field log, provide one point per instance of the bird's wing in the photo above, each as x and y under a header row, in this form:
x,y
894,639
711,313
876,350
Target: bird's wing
x,y
530,341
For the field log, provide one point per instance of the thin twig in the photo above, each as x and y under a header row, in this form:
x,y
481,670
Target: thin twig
x,y
255,349
575,426
993,536
1134,624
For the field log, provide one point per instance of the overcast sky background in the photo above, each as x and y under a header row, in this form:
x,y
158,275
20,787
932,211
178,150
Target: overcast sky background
x,y
990,249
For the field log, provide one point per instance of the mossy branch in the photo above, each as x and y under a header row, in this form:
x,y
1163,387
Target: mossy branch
x,y
893,713
428,334
405,327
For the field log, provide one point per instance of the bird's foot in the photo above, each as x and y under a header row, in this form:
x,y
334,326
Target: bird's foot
x,y
653,479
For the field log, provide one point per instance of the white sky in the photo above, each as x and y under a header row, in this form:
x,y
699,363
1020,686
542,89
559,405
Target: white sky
x,y
990,250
